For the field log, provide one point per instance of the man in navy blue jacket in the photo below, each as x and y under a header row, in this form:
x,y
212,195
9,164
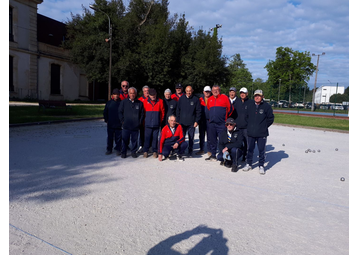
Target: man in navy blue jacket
x,y
114,127
259,118
188,115
230,144
239,115
131,115
170,106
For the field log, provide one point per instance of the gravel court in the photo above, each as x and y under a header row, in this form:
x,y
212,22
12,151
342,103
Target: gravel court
x,y
67,197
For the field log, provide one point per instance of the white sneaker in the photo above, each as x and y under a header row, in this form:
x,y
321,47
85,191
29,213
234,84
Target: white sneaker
x,y
247,168
261,170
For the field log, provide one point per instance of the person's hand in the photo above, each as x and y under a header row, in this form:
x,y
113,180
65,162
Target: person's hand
x,y
175,146
225,149
160,157
195,124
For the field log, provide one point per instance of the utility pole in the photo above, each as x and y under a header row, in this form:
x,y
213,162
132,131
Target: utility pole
x,y
315,81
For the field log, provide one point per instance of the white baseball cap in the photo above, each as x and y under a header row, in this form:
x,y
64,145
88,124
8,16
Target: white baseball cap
x,y
207,88
244,90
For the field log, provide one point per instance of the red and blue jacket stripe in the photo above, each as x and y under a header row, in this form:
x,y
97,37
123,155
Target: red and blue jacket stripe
x,y
154,112
219,108
122,96
176,97
168,138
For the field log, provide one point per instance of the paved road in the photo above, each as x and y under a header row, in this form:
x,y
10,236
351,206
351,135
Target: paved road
x,y
67,197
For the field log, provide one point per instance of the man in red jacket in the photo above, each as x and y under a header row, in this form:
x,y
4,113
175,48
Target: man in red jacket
x,y
172,139
123,93
220,109
178,92
154,115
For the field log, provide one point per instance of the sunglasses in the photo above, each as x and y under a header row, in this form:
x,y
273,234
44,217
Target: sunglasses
x,y
229,124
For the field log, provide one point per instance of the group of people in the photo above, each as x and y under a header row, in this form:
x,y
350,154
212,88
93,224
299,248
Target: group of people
x,y
232,124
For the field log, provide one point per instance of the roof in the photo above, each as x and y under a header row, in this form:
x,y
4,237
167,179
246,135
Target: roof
x,y
50,31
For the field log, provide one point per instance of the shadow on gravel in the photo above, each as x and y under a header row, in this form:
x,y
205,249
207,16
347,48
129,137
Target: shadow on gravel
x,y
211,241
272,157
53,163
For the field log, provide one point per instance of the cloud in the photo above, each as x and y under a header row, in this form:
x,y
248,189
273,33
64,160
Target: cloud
x,y
256,28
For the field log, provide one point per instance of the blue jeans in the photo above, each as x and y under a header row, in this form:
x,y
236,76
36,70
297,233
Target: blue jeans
x,y
261,145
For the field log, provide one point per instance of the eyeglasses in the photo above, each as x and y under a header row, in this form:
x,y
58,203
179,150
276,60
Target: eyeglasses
x,y
125,86
229,124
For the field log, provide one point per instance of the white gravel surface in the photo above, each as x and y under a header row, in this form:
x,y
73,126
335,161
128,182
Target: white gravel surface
x,y
68,197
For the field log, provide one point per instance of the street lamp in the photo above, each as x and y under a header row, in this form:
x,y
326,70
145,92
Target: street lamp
x,y
110,49
315,81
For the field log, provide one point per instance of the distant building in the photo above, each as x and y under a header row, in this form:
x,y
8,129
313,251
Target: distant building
x,y
39,67
323,93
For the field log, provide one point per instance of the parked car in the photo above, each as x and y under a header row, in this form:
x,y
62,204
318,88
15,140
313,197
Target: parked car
x,y
309,106
283,103
273,104
299,105
337,107
325,106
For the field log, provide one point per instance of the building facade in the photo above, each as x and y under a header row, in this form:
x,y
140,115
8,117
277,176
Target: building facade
x,y
323,93
40,68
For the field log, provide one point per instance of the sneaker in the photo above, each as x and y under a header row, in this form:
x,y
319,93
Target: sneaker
x,y
222,163
108,152
145,155
201,152
211,158
123,155
134,155
261,170
209,153
155,155
118,153
180,158
247,168
234,168
228,163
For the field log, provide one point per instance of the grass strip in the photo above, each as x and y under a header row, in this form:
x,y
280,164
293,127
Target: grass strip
x,y
28,114
309,121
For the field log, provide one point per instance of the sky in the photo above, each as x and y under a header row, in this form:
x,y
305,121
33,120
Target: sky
x,y
255,29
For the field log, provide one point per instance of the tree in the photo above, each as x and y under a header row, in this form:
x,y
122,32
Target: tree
x,y
148,46
239,75
294,68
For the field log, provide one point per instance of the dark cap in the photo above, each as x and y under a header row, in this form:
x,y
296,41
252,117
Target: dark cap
x,y
178,86
232,89
230,121
152,92
115,91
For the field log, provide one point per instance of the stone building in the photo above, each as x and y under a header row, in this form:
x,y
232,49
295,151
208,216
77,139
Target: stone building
x,y
39,67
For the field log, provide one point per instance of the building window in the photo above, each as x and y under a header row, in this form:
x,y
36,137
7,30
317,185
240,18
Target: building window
x,y
11,31
55,79
11,76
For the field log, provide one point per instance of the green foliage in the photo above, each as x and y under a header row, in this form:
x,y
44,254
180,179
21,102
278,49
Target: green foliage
x,y
294,68
339,98
239,74
148,46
